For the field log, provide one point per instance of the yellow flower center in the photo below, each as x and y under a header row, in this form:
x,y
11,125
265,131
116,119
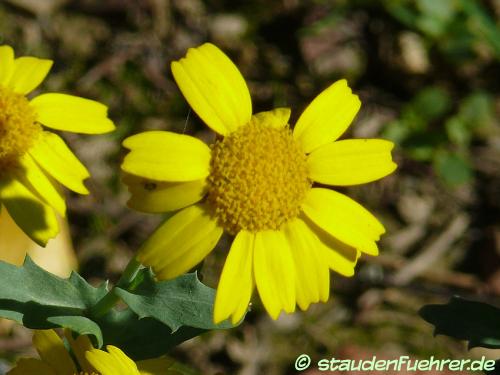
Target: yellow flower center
x,y
18,128
258,178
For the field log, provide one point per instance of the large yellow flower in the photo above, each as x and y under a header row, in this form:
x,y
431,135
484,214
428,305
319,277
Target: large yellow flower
x,y
256,182
30,157
56,360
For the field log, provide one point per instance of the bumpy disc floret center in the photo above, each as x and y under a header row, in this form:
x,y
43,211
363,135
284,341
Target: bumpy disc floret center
x,y
18,128
258,178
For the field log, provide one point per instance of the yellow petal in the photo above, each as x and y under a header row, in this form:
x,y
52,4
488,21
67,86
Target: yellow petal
x,y
15,243
312,274
158,196
113,362
54,156
52,351
58,257
214,88
35,179
35,218
351,162
6,64
277,118
180,243
166,156
344,219
28,73
274,272
123,362
80,346
337,255
338,263
236,281
327,117
72,113
31,366
102,362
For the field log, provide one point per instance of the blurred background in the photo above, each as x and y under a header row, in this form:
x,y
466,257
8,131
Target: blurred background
x,y
428,74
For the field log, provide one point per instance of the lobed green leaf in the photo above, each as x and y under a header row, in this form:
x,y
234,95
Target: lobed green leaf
x,y
38,299
143,338
159,315
183,301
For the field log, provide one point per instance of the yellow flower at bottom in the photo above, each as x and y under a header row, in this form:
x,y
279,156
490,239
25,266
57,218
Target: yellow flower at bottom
x,y
56,360
30,157
258,183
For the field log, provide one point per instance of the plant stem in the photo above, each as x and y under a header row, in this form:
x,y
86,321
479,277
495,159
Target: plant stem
x,y
107,302
129,274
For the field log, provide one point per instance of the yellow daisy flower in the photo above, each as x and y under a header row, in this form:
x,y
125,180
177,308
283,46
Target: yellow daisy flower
x,y
256,182
32,158
56,360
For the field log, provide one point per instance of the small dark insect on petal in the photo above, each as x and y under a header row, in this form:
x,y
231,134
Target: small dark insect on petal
x,y
150,186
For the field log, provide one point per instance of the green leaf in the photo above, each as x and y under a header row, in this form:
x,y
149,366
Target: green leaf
x,y
431,103
40,300
32,284
453,168
142,338
401,11
80,325
435,15
422,146
459,47
160,315
183,301
442,9
396,131
477,110
432,26
457,131
476,322
482,25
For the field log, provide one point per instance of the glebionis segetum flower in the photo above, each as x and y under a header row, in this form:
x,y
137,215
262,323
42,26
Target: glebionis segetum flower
x,y
31,158
56,360
259,182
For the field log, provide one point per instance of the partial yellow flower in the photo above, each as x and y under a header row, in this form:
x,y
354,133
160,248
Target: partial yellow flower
x,y
115,362
56,360
32,158
54,357
58,257
257,182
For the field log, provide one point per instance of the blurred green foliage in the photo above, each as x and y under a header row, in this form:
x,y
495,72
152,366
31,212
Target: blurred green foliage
x,y
456,27
437,59
438,124
430,129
